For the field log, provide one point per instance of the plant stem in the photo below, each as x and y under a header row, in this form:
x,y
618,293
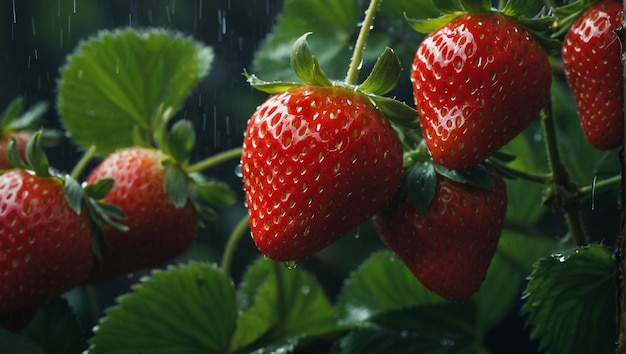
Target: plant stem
x,y
357,56
82,163
233,240
561,192
528,176
600,186
214,160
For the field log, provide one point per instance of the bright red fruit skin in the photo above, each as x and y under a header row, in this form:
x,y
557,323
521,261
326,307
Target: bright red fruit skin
x,y
158,231
450,247
316,162
45,247
478,82
591,55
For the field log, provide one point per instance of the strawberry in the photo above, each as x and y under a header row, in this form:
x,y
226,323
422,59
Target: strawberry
x,y
592,63
14,125
316,162
449,245
45,241
157,229
478,81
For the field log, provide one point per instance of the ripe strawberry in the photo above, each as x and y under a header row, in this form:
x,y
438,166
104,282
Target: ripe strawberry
x,y
478,81
45,246
450,246
316,162
158,231
592,63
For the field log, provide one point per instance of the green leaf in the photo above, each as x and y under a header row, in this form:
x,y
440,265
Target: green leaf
x,y
421,180
186,309
383,283
73,193
278,303
334,23
181,140
306,65
122,80
100,188
215,193
176,186
397,112
56,329
497,294
14,343
384,75
437,328
570,302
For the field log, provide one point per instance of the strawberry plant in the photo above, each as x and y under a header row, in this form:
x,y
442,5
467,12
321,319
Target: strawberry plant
x,y
409,177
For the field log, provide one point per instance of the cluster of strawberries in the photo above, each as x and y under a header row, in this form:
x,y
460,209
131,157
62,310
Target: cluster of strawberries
x,y
321,158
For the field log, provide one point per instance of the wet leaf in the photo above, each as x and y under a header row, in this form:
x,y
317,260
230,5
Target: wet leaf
x,y
185,309
122,80
570,302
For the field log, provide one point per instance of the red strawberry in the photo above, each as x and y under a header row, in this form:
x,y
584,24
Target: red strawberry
x,y
316,162
450,246
158,231
592,63
45,246
478,82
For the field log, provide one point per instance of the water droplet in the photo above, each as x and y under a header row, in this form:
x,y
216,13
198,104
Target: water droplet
x,y
238,171
291,265
305,290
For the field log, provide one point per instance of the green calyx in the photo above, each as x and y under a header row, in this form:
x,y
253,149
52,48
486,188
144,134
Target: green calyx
x,y
420,180
538,24
567,14
382,79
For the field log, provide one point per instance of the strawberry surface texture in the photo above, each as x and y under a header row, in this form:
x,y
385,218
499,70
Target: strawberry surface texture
x,y
45,246
158,231
450,246
592,63
478,81
316,162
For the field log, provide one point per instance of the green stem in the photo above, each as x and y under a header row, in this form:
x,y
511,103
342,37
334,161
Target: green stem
x,y
562,190
600,186
214,160
233,240
83,162
357,56
528,176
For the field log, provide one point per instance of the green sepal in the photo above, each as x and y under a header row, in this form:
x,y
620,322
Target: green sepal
x,y
517,8
112,210
477,176
384,75
215,193
12,120
14,156
396,111
36,158
430,24
448,6
305,65
181,140
175,185
203,211
476,6
73,193
420,183
99,189
567,14
271,87
503,156
13,110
